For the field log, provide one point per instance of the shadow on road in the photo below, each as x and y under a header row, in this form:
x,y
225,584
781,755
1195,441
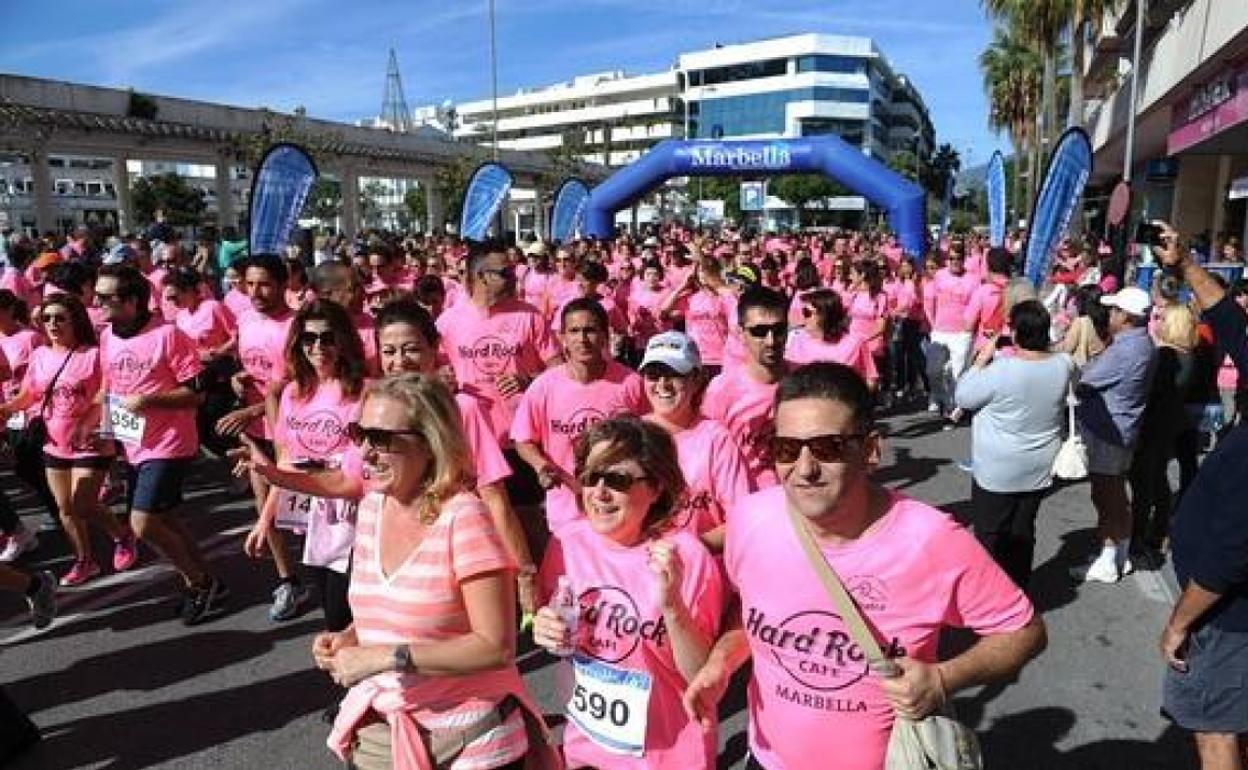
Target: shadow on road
x,y
1027,741
164,732
905,470
1052,585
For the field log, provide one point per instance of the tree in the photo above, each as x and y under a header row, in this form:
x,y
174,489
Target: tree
x,y
726,189
324,200
800,190
416,201
1012,73
942,166
906,163
177,202
370,201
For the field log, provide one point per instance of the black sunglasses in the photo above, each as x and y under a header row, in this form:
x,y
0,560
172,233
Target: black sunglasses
x,y
760,331
327,339
381,439
617,481
829,448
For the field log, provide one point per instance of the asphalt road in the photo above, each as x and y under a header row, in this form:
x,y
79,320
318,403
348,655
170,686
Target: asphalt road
x,y
117,683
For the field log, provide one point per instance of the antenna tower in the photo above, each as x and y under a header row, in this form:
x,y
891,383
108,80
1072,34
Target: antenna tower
x,y
394,110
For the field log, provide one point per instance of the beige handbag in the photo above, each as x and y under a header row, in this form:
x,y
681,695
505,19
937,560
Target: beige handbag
x,y
1071,463
936,742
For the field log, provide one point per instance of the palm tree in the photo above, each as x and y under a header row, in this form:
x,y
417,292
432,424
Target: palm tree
x,y
1012,73
1083,14
1043,23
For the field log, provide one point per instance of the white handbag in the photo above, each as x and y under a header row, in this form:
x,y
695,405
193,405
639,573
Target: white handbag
x,y
1071,463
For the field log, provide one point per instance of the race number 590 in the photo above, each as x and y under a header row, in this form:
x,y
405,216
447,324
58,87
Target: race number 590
x,y
610,705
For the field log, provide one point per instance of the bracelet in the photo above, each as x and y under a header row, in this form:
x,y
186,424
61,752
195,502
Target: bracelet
x,y
944,691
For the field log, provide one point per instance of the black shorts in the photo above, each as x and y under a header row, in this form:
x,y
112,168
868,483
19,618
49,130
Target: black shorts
x,y
1212,697
523,487
95,462
155,486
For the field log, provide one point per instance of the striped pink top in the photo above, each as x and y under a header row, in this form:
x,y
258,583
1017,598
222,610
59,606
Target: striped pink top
x,y
422,602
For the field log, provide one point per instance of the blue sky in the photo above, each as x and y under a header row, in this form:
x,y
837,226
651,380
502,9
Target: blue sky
x,y
330,55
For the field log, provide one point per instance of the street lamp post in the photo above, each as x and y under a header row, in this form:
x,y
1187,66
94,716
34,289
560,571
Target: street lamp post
x,y
1141,9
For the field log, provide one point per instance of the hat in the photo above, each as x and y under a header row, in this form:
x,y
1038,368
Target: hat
x,y
1131,300
47,259
674,350
119,254
535,249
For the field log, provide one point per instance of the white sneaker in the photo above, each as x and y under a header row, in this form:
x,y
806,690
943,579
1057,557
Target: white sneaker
x,y
1127,568
1103,571
20,542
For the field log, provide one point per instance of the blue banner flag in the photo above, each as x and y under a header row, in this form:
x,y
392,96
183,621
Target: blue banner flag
x,y
1064,179
995,185
487,190
278,191
568,216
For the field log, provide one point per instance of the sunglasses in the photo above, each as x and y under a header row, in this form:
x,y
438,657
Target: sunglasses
x,y
830,448
381,439
760,331
616,481
327,339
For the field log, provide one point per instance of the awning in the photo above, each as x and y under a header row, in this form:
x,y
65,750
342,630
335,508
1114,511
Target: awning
x,y
1239,189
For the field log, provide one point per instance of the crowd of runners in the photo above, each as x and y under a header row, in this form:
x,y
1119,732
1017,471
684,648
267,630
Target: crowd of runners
x,y
655,453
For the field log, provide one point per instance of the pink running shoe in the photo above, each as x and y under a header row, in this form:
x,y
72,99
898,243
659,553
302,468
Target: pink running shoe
x,y
81,572
125,552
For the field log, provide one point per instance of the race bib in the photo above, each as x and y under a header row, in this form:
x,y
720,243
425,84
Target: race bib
x,y
610,705
295,508
123,424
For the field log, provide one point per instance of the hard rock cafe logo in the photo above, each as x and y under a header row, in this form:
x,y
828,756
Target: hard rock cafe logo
x,y
257,362
869,592
580,421
490,354
812,646
127,370
64,397
611,625
692,507
319,433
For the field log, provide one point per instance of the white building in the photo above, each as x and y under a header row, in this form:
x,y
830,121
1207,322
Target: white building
x,y
799,85
1191,146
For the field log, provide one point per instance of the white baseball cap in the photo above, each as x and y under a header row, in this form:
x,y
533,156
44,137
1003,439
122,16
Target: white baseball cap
x,y
1131,300
673,350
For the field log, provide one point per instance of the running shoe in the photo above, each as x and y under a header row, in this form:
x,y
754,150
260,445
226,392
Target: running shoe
x,y
81,572
20,542
125,552
204,603
288,597
1102,571
43,603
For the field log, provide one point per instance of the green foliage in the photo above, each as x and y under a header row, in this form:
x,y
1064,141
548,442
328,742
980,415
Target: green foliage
x,y
324,200
370,203
141,106
451,183
936,172
721,188
416,201
906,163
178,203
800,190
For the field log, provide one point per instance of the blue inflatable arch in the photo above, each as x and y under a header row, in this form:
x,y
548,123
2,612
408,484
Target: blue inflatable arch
x,y
903,200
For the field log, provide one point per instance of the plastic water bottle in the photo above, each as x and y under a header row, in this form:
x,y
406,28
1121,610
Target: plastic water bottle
x,y
568,609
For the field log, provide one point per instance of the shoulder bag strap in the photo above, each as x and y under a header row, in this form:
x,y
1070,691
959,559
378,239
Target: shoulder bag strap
x,y
47,393
845,605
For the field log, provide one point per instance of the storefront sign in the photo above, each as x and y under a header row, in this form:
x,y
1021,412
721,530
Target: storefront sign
x,y
1209,109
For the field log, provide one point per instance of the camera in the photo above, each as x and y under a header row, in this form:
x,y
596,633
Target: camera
x,y
1149,234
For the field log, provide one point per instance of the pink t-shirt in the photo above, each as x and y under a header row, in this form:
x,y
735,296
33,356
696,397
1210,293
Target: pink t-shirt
x,y
487,456
238,302
1228,374
73,398
746,408
913,573
986,311
17,348
13,280
708,322
715,473
510,337
903,299
865,312
948,297
622,628
421,601
559,291
262,351
209,326
156,360
644,319
557,409
534,286
850,350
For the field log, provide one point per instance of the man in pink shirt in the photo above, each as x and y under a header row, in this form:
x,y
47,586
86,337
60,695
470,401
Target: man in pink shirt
x,y
985,313
814,703
946,301
563,402
262,350
151,386
741,398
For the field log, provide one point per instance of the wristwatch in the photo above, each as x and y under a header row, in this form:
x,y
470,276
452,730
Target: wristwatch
x,y
403,659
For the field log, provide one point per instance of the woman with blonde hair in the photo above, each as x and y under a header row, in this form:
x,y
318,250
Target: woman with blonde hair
x,y
430,658
1164,420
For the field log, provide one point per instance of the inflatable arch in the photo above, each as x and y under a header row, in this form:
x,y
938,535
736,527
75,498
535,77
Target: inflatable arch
x,y
905,202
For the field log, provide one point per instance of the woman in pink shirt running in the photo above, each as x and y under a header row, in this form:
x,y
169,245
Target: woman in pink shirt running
x,y
63,382
647,598
826,337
